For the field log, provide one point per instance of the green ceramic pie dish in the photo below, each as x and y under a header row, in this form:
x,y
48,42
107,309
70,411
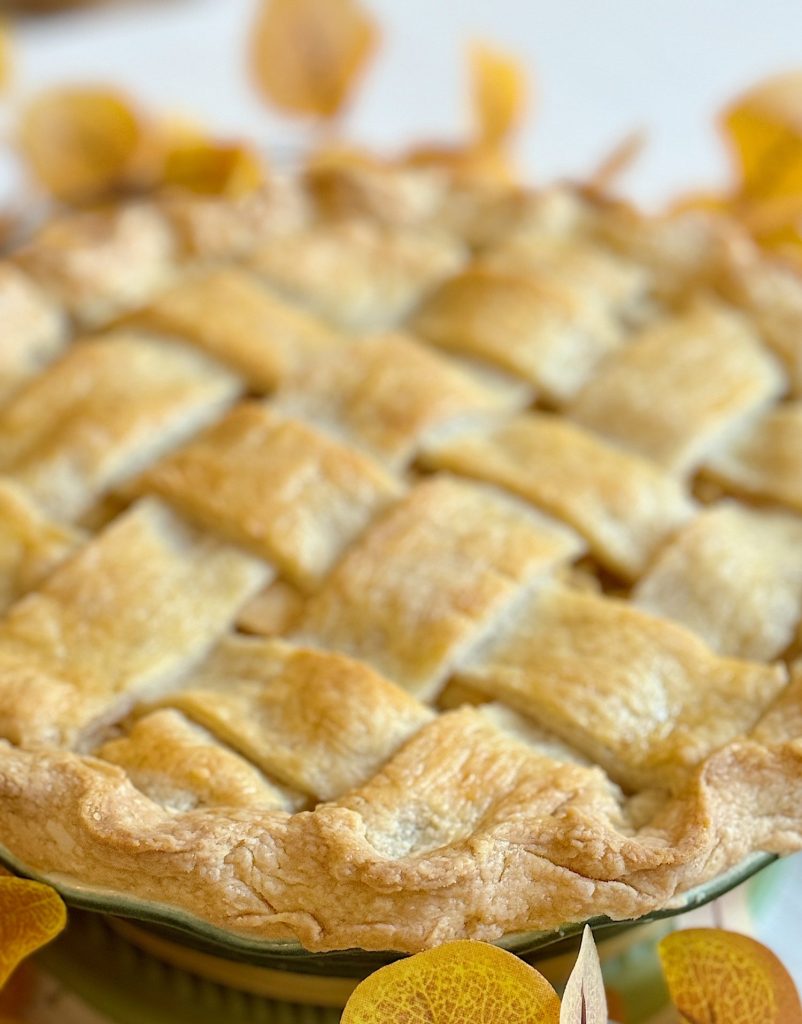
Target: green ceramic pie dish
x,y
191,931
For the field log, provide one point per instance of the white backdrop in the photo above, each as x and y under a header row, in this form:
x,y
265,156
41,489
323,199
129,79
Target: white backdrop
x,y
600,69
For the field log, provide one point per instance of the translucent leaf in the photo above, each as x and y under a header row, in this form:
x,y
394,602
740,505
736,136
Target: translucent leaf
x,y
498,92
79,142
618,161
764,128
719,977
307,54
455,983
213,168
31,914
6,56
584,1001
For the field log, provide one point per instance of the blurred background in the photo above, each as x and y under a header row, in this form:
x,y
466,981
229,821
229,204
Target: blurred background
x,y
599,71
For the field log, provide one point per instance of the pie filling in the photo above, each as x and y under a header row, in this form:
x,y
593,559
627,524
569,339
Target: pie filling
x,y
375,573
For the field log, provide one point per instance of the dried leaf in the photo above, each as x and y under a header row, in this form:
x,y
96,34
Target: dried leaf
x,y
584,1001
79,142
307,54
716,976
31,914
498,91
764,128
454,983
618,161
213,168
6,56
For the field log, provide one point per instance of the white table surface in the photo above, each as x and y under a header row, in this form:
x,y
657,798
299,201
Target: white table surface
x,y
601,68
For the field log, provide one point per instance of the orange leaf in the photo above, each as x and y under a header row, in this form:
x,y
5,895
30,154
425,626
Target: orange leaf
x,y
31,914
6,58
718,977
79,142
584,1001
498,90
454,983
764,128
307,54
213,168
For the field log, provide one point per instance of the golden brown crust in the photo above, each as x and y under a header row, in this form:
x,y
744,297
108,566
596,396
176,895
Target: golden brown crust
x,y
312,516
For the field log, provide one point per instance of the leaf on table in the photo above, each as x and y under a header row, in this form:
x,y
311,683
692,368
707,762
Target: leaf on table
x,y
498,95
764,130
584,1001
31,914
720,977
306,55
212,168
6,56
617,161
454,983
79,142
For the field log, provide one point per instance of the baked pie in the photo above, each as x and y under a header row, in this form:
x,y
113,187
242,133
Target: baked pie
x,y
386,559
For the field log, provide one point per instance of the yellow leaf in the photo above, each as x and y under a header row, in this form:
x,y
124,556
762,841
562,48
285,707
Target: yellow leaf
x,y
452,984
79,142
213,168
31,914
718,977
617,161
498,91
764,128
6,58
307,54
584,1001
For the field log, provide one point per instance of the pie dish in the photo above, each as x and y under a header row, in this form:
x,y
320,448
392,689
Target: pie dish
x,y
386,558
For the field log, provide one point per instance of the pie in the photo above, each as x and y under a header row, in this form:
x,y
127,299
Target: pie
x,y
387,558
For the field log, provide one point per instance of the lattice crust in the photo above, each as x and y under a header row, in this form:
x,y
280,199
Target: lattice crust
x,y
552,335
236,319
734,576
102,412
120,619
624,506
660,397
33,329
181,766
429,577
319,722
358,274
640,696
241,450
30,543
390,394
287,492
764,459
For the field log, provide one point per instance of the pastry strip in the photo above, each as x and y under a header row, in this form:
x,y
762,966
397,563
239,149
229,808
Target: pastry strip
x,y
290,494
101,413
680,387
124,616
181,766
429,577
532,327
734,576
360,275
32,329
764,460
640,696
391,393
231,315
318,722
624,506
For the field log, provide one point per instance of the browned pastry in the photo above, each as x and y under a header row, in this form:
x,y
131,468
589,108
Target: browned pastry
x,y
509,484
